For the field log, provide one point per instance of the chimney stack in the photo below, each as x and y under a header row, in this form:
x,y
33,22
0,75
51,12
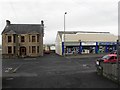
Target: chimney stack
x,y
42,22
42,25
7,22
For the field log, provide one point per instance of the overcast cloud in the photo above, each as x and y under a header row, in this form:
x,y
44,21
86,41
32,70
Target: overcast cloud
x,y
82,15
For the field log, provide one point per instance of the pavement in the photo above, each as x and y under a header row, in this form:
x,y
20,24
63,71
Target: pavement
x,y
54,71
86,55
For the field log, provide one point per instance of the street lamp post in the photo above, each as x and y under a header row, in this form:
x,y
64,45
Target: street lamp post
x,y
64,32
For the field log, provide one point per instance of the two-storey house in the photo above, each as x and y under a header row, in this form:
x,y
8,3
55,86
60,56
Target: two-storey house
x,y
22,40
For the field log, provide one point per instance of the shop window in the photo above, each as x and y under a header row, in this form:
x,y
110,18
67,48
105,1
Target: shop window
x,y
9,49
33,39
33,49
22,38
9,38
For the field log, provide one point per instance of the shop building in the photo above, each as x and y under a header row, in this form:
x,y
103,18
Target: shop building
x,y
82,42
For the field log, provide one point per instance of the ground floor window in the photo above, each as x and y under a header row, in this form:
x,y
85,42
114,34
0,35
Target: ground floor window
x,y
88,49
76,49
29,49
106,48
9,49
33,49
72,50
37,49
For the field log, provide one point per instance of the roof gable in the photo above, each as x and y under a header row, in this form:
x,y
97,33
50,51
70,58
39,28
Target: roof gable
x,y
10,32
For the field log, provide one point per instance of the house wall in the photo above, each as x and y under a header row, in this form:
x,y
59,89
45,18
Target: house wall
x,y
58,45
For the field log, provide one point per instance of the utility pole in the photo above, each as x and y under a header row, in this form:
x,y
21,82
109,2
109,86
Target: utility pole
x,y
64,32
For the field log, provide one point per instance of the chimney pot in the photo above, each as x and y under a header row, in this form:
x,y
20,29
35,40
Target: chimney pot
x,y
42,22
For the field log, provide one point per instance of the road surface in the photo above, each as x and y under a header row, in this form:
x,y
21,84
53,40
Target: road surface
x,y
53,71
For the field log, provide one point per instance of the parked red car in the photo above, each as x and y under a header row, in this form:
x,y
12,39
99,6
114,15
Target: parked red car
x,y
108,58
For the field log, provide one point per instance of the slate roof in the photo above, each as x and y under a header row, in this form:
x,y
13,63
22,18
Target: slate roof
x,y
23,28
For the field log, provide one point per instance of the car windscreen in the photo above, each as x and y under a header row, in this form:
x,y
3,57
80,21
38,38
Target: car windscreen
x,y
113,52
106,57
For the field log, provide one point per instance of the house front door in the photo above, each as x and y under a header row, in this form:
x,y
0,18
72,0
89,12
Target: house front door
x,y
22,51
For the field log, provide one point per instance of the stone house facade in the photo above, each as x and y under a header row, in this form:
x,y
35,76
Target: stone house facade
x,y
22,40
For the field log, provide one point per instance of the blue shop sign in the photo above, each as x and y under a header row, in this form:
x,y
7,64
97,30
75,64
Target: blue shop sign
x,y
107,43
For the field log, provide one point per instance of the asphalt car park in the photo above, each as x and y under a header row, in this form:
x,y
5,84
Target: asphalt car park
x,y
53,71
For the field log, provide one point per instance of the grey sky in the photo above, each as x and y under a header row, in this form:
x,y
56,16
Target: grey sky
x,y
82,15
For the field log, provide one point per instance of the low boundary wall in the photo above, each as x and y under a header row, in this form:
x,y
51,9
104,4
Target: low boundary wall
x,y
111,71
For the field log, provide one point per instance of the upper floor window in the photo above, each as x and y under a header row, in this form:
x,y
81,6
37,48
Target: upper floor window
x,y
38,37
33,39
29,38
14,38
9,38
22,39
